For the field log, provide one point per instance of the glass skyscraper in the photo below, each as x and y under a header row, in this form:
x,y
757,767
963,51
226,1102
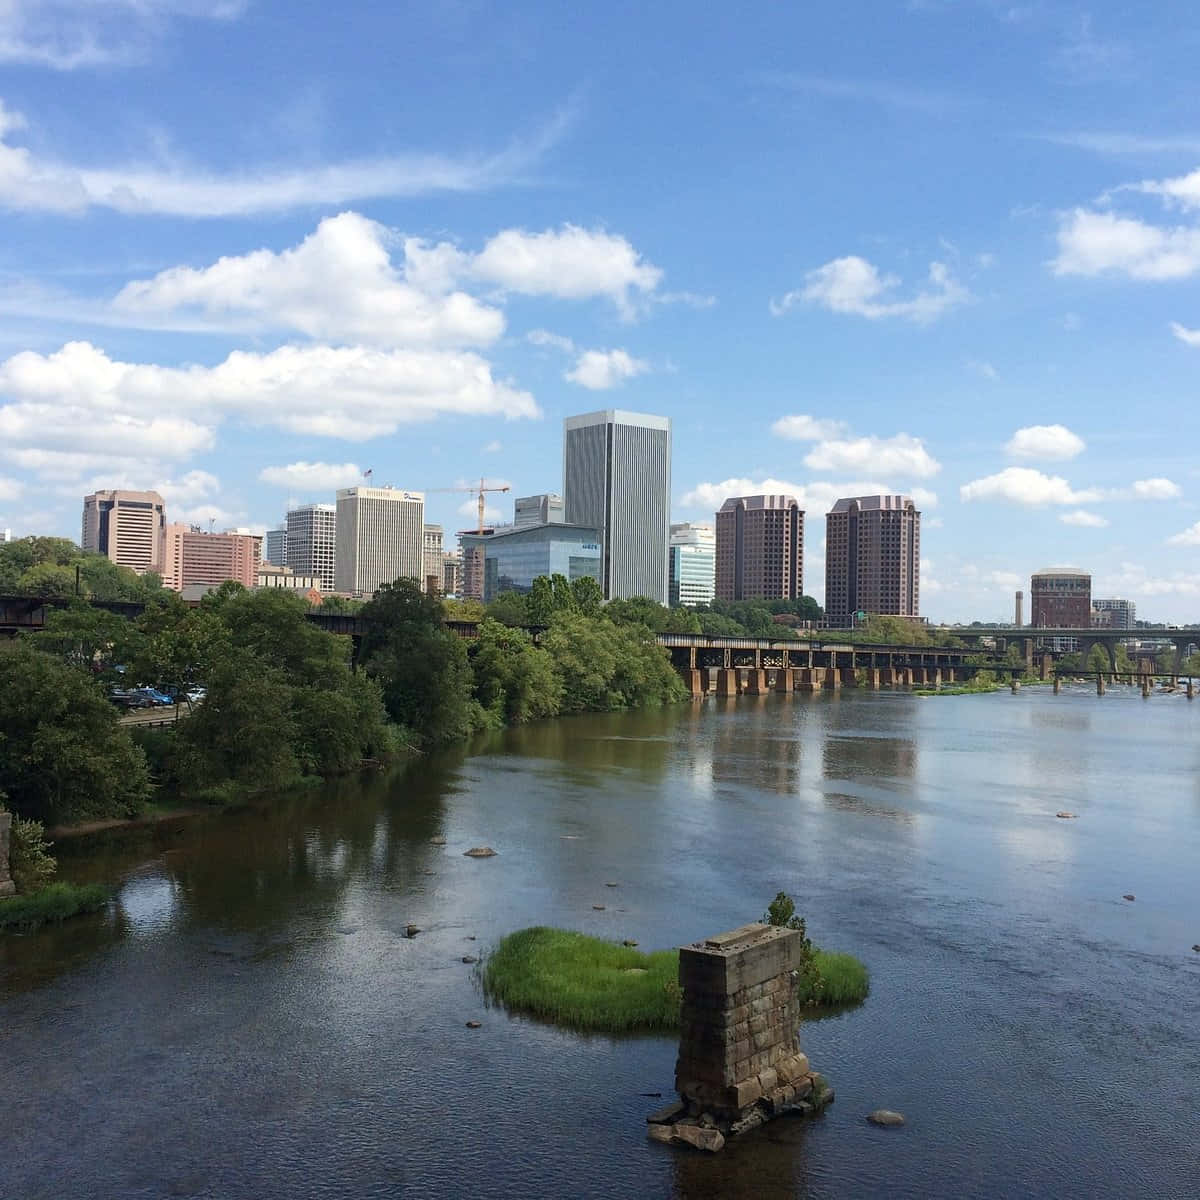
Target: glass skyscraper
x,y
617,479
514,557
693,570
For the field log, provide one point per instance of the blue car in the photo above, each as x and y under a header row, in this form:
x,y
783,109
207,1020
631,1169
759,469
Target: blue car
x,y
153,695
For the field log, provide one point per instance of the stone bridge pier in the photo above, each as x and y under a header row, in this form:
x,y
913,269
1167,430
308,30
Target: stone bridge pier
x,y
739,1060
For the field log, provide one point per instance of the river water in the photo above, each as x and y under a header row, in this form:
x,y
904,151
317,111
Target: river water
x,y
250,1020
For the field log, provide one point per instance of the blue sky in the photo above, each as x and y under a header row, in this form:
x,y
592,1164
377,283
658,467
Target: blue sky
x,y
249,250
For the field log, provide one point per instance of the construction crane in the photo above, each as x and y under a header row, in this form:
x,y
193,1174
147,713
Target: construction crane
x,y
479,491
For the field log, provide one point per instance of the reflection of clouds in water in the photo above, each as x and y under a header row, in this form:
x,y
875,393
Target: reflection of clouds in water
x,y
150,903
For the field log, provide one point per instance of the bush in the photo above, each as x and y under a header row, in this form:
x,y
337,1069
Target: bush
x,y
52,904
844,980
29,859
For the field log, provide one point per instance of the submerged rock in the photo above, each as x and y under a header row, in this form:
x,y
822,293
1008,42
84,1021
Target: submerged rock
x,y
1129,896
698,1136
1065,816
480,852
885,1116
598,907
411,930
469,958
474,1024
437,841
629,942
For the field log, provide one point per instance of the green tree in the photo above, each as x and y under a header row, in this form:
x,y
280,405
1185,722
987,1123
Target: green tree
x,y
513,678
88,639
47,580
638,610
63,755
539,603
564,594
587,595
421,666
509,608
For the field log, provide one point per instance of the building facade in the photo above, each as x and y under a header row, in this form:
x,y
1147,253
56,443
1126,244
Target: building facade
x,y
1112,613
271,576
512,557
380,538
275,547
1061,598
194,558
692,567
872,558
128,527
760,549
617,480
312,542
546,509
452,574
431,560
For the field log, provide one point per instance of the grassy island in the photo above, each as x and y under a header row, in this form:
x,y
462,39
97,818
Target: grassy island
x,y
586,983
52,904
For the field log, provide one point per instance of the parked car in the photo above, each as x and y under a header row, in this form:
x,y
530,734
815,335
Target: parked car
x,y
153,695
124,698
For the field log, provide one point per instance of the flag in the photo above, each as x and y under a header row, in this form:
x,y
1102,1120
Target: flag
x,y
368,473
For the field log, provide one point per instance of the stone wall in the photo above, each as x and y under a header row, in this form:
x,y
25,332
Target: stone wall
x,y
7,887
739,1060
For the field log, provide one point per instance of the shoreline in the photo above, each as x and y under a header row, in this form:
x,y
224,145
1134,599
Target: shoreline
x,y
83,828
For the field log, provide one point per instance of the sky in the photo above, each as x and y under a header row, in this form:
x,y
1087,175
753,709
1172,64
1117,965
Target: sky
x,y
251,250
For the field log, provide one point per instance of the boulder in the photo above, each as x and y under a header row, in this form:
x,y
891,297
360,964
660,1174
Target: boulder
x,y
598,907
1065,816
629,942
469,958
660,1133
666,1114
411,930
480,852
1129,896
885,1116
698,1136
437,841
474,1024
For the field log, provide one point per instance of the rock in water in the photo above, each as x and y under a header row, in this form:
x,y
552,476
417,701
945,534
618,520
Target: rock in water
x,y
1196,947
660,1133
1129,896
711,1140
1065,816
480,852
469,958
885,1116
598,907
629,942
437,841
411,930
474,1024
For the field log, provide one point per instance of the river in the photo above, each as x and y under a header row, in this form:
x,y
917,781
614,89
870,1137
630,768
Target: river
x,y
250,1020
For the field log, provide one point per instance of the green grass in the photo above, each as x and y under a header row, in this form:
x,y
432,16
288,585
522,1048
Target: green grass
x,y
964,690
586,983
53,903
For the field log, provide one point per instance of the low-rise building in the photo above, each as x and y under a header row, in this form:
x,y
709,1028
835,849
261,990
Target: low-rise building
x,y
509,559
271,576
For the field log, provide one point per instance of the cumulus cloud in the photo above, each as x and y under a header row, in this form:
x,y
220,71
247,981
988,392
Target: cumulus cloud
x,y
802,428
817,496
45,184
599,370
312,477
1053,442
1152,489
10,489
1183,191
337,284
1024,485
1189,537
80,403
1135,580
1081,517
1093,243
901,455
854,285
1190,337
543,337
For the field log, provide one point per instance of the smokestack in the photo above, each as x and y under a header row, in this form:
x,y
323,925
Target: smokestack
x,y
1020,610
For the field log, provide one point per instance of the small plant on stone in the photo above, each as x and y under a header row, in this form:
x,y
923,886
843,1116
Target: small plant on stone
x,y
782,912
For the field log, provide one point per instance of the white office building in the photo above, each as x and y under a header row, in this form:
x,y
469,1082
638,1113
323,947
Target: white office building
x,y
546,509
617,480
312,542
380,538
692,577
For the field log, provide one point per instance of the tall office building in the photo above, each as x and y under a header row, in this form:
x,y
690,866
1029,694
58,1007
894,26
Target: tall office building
x,y
193,557
1061,597
312,542
1112,613
275,547
692,570
380,538
617,479
760,549
547,509
431,560
872,558
452,574
126,526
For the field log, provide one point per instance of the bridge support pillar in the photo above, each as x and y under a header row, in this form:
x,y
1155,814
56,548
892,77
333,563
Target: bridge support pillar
x,y
727,681
833,677
1057,685
872,678
1191,690
756,682
784,682
933,678
1099,683
1145,686
1044,667
1016,685
886,676
694,681
848,677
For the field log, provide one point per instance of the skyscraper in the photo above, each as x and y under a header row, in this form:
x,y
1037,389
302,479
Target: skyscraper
x,y
617,479
312,542
760,549
275,547
126,526
380,538
431,559
872,558
692,573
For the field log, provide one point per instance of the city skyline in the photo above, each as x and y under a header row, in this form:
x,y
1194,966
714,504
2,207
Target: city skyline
x,y
949,251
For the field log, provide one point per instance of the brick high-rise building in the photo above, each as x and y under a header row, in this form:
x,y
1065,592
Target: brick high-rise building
x,y
872,558
126,526
760,549
1061,598
192,556
431,560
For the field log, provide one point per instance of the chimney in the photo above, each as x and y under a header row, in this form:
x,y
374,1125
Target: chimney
x,y
1020,614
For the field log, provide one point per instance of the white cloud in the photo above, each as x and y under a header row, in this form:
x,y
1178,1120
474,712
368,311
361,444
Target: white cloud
x,y
1189,537
338,284
28,182
1154,489
923,498
1087,520
981,367
1091,243
854,285
66,35
1135,581
816,497
312,477
901,455
1190,337
1052,442
1181,192
77,407
491,514
802,428
599,370
543,337
493,447
10,489
1024,485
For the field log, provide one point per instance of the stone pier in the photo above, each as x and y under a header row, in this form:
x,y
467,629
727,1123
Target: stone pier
x,y
739,1063
1100,683
727,681
7,887
756,682
783,679
695,682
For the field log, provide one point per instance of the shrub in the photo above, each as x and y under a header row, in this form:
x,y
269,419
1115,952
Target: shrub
x,y
52,904
29,859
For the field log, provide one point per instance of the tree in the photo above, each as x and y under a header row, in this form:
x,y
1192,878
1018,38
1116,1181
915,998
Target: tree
x,y
564,594
47,580
88,639
587,595
513,678
63,754
638,610
539,603
420,666
509,608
